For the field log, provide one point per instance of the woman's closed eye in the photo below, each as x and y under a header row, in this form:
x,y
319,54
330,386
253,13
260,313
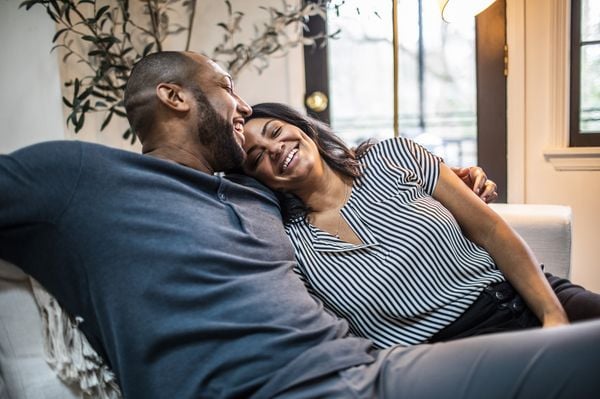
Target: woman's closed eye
x,y
276,131
257,157
256,153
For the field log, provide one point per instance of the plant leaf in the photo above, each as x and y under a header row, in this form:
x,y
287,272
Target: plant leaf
x,y
58,33
67,102
101,11
89,38
106,120
148,49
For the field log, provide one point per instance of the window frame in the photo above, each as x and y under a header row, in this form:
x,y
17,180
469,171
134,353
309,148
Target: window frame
x,y
576,138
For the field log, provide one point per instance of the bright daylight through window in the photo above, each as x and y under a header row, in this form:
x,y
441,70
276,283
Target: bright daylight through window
x,y
437,79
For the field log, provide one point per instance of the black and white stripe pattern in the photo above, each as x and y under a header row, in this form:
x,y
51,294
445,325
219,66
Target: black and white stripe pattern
x,y
415,272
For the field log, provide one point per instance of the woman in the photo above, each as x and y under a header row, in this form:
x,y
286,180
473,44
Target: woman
x,y
389,238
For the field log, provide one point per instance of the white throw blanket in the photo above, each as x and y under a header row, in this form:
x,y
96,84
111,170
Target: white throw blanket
x,y
68,351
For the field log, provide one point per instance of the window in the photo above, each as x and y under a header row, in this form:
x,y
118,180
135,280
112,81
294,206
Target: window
x,y
451,84
437,99
585,73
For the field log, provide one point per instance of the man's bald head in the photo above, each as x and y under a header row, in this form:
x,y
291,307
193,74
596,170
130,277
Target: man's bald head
x,y
181,68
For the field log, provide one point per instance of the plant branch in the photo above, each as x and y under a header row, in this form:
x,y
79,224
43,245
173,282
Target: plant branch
x,y
192,13
154,24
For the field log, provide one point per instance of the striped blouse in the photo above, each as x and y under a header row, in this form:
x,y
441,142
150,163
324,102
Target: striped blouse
x,y
415,272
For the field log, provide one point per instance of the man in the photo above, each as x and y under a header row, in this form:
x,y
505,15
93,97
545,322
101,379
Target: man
x,y
184,279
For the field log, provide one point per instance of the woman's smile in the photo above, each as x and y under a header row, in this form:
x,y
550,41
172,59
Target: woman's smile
x,y
279,154
289,160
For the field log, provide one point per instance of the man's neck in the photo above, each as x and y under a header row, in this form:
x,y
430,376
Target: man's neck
x,y
180,155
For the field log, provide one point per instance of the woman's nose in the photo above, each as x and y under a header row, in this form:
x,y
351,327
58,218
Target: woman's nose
x,y
275,150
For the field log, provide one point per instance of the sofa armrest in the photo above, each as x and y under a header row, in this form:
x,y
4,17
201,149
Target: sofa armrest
x,y
547,230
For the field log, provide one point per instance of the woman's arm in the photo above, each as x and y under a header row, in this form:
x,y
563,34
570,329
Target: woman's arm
x,y
512,256
476,179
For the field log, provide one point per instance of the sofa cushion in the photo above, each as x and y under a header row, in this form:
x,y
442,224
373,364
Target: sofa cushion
x,y
24,372
44,355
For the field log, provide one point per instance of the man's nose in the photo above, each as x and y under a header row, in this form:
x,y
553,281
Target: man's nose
x,y
243,107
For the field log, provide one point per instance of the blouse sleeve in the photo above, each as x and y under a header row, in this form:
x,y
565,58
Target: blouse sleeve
x,y
405,154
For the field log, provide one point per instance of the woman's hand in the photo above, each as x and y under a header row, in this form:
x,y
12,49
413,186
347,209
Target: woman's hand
x,y
476,179
555,319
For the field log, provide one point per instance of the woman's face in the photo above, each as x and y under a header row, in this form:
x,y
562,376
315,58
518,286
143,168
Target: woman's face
x,y
280,155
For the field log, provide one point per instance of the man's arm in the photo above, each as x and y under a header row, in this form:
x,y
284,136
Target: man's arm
x,y
36,184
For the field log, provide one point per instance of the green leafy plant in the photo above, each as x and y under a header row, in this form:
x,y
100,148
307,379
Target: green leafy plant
x,y
285,29
108,37
108,41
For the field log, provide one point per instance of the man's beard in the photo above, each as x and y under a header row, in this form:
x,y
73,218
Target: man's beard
x,y
216,134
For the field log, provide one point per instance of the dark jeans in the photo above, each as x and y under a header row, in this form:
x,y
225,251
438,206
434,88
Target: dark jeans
x,y
499,308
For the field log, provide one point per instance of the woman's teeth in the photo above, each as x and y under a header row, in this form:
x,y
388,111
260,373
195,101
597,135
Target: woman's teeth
x,y
288,159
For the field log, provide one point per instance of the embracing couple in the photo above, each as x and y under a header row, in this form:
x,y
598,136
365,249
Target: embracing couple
x,y
187,285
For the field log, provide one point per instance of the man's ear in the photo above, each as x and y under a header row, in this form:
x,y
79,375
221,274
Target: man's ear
x,y
173,96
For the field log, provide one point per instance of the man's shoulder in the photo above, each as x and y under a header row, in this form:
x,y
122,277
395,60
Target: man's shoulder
x,y
254,185
65,158
49,146
247,181
48,149
45,156
71,151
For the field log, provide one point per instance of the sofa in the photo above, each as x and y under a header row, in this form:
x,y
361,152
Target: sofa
x,y
24,372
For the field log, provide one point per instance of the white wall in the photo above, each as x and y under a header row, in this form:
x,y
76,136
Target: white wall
x,y
538,127
283,81
30,105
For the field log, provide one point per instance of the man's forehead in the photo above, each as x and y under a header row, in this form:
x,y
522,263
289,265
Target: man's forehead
x,y
216,67
208,66
219,72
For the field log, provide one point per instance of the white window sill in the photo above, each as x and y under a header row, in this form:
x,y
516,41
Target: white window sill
x,y
574,158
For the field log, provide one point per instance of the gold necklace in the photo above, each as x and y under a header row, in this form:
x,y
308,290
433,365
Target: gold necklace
x,y
339,213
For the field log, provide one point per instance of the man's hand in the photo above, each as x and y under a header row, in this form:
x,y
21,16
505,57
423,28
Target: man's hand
x,y
476,179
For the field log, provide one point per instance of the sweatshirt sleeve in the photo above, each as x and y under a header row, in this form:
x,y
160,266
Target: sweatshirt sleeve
x,y
36,185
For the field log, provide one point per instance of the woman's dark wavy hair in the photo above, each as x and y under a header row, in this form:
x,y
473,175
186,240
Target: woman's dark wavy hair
x,y
341,158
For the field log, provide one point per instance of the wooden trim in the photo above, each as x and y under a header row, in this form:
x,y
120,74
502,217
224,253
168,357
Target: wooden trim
x,y
491,108
395,44
516,104
574,158
559,82
559,154
575,72
316,66
576,138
